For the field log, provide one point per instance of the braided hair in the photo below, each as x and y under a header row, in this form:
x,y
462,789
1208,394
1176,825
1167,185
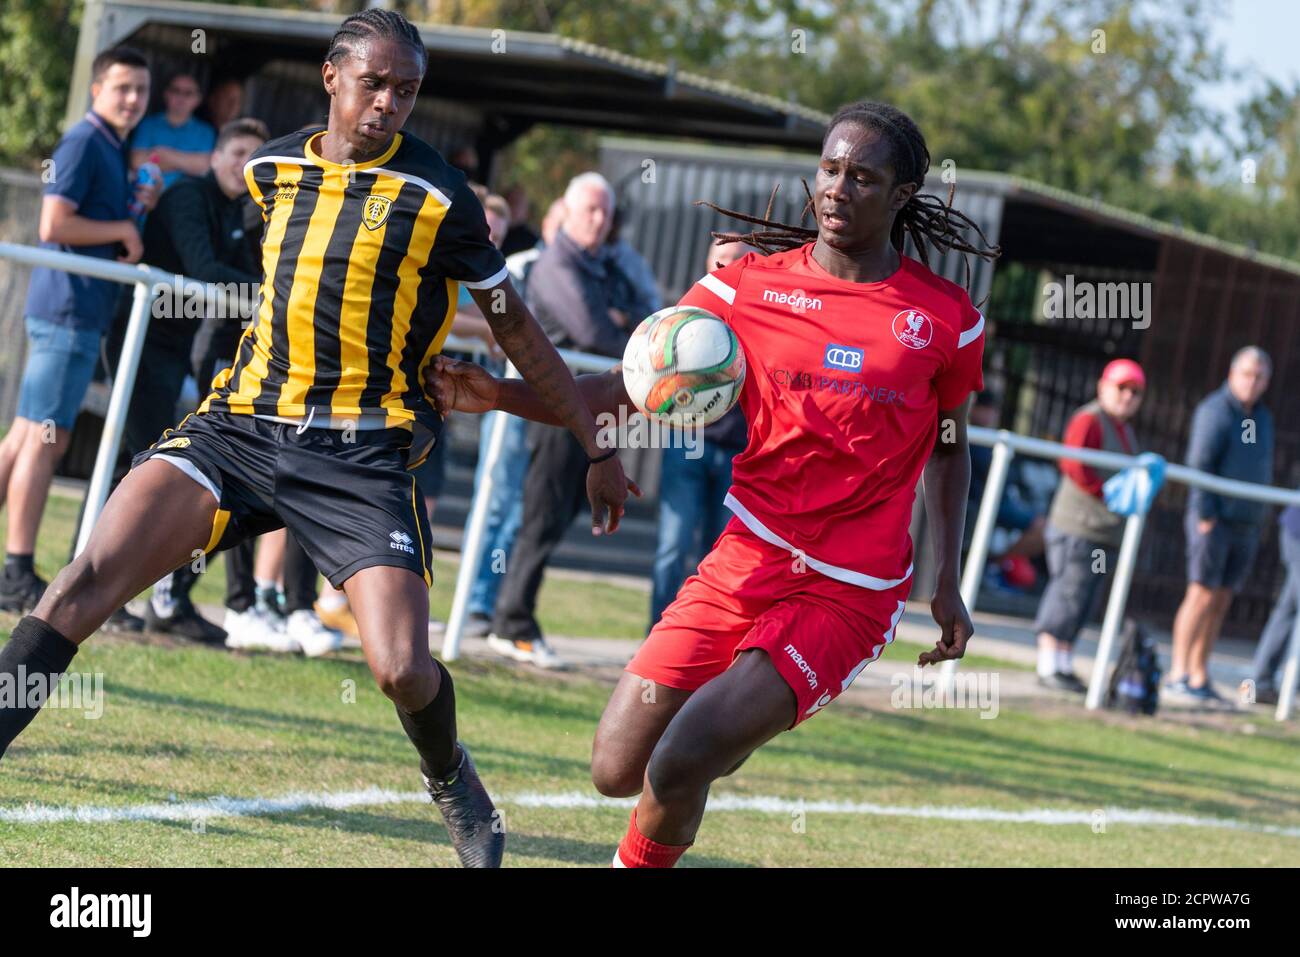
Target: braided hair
x,y
374,24
923,217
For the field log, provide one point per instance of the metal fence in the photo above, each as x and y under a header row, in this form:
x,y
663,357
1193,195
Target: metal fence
x,y
1004,443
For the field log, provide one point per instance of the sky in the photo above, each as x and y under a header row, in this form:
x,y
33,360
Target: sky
x,y
1263,35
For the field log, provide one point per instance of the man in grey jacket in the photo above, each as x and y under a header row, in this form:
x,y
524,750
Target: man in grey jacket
x,y
1232,437
576,300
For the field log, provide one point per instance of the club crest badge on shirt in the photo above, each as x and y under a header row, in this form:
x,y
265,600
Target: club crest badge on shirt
x,y
913,329
377,210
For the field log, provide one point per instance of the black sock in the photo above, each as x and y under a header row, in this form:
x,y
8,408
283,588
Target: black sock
x,y
36,648
18,564
433,729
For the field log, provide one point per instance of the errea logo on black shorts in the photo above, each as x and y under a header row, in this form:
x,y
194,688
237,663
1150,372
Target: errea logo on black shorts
x,y
842,357
402,542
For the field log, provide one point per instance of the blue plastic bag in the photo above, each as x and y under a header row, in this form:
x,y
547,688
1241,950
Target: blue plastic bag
x,y
1132,490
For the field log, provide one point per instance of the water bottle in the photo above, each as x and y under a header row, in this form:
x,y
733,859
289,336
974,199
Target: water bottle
x,y
149,172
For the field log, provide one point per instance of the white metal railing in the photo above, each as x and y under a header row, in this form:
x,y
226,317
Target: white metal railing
x,y
1005,444
471,554
143,278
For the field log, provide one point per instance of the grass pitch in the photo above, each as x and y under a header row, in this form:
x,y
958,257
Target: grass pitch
x,y
183,724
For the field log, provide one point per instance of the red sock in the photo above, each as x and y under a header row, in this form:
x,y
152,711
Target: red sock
x,y
637,850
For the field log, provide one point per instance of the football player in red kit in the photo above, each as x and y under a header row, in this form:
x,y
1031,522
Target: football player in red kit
x,y
861,364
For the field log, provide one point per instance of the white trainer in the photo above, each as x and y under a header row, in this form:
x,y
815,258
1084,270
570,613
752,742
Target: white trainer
x,y
253,630
312,636
536,652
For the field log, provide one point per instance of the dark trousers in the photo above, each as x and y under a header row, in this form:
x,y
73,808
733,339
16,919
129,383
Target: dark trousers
x,y
299,577
1273,643
157,389
554,489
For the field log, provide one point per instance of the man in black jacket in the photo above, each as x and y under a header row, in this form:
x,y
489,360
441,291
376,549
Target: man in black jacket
x,y
196,231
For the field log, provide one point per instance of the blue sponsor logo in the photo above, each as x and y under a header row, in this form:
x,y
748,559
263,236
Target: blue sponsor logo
x,y
842,357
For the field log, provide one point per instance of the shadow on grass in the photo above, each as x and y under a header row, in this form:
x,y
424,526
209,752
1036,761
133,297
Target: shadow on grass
x,y
952,754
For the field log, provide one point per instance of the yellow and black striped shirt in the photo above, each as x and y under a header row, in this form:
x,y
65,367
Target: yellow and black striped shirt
x,y
361,270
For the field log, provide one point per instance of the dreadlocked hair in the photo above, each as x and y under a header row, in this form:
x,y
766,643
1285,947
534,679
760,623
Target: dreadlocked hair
x,y
923,218
374,24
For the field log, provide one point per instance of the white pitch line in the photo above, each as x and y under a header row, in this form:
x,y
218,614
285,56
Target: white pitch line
x,y
222,807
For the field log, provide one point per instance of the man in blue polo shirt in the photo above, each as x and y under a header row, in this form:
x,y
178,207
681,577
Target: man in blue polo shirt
x,y
84,211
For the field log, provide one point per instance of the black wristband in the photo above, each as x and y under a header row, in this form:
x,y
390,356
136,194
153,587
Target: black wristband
x,y
603,458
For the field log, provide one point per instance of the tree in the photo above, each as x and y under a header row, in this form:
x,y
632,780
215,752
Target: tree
x,y
38,42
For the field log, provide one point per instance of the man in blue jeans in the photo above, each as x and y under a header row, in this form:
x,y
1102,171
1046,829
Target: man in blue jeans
x,y
1273,643
506,507
84,211
693,484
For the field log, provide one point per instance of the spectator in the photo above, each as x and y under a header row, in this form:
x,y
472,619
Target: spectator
x,y
1232,437
506,506
1079,525
196,231
84,211
179,142
693,484
635,280
225,102
1014,513
1276,638
465,159
522,236
262,615
571,293
208,229
469,322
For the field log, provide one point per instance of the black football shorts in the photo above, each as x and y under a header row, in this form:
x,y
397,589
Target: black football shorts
x,y
346,496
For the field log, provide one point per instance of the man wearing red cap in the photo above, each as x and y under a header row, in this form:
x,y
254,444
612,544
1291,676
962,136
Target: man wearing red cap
x,y
1082,534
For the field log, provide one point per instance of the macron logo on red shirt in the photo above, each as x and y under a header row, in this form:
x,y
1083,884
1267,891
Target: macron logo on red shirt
x,y
797,301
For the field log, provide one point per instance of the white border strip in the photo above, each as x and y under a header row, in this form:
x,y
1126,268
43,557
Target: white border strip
x,y
846,575
719,288
499,277
971,334
304,160
192,470
219,807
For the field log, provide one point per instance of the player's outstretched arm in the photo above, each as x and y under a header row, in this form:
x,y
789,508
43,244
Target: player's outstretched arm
x,y
947,485
457,386
521,338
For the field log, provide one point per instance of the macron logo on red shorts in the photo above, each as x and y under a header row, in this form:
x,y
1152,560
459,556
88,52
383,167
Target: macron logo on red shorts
x,y
802,666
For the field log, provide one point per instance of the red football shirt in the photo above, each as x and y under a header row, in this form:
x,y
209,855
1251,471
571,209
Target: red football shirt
x,y
845,382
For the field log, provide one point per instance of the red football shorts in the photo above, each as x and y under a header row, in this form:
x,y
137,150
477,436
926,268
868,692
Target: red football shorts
x,y
818,632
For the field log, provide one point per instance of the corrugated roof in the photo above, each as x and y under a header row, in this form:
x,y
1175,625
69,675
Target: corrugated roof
x,y
541,47
1005,184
